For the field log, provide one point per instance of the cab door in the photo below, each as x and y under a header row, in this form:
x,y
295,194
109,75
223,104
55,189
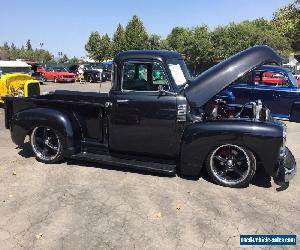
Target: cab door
x,y
142,121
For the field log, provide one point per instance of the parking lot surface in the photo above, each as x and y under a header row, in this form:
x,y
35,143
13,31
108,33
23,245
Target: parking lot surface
x,y
80,205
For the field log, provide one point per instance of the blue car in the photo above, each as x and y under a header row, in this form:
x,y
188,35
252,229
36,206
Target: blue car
x,y
275,86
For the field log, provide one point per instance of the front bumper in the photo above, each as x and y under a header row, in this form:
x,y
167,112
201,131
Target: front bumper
x,y
287,167
66,79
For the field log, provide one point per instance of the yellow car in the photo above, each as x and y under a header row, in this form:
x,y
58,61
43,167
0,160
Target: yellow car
x,y
16,84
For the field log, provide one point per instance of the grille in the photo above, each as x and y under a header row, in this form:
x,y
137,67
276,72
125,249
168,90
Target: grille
x,y
33,89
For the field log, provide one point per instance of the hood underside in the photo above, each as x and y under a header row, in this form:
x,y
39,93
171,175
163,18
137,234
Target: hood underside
x,y
211,82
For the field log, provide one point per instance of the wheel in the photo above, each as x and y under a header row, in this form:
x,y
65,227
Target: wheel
x,y
47,144
55,79
231,165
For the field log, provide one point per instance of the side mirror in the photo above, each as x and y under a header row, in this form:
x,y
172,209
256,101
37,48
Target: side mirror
x,y
162,91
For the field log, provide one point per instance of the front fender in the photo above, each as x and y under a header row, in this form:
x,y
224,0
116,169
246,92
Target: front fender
x,y
199,139
25,121
295,113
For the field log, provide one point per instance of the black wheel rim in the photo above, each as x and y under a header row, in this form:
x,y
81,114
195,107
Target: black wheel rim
x,y
45,143
230,164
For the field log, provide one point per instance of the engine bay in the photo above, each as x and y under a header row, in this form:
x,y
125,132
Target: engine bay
x,y
218,109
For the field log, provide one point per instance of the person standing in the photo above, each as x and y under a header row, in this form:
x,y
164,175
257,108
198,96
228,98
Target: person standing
x,y
80,73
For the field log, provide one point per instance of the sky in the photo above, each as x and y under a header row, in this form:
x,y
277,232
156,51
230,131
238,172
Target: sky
x,y
65,26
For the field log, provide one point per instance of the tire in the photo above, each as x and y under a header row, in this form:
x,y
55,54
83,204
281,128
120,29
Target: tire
x,y
55,80
47,144
231,165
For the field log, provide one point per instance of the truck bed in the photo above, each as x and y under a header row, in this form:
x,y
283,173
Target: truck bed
x,y
86,108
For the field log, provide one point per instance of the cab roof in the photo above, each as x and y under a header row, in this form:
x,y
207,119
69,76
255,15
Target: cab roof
x,y
162,55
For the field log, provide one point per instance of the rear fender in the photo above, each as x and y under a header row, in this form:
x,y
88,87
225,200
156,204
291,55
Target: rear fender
x,y
25,121
199,139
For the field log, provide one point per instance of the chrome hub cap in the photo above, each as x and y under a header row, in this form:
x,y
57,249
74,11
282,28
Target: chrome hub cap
x,y
230,164
45,143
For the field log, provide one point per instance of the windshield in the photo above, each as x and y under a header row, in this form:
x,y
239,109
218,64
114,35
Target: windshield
x,y
6,70
292,79
179,71
60,70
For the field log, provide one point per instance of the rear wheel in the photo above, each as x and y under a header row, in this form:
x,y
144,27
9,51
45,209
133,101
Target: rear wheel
x,y
47,144
231,165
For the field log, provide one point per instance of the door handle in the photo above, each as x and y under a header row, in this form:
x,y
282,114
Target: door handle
x,y
123,101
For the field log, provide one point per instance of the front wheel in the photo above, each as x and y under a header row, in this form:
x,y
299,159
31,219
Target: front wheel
x,y
47,144
231,165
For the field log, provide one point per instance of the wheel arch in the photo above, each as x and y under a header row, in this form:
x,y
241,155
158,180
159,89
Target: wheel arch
x,y
200,139
25,121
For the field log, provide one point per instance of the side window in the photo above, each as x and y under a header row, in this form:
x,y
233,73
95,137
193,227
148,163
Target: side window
x,y
271,78
144,76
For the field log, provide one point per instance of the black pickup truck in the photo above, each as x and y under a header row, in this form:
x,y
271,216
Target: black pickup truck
x,y
156,118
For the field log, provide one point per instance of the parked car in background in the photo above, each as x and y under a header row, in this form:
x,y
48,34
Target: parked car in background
x,y
106,73
297,77
90,74
18,85
275,86
39,76
98,66
16,80
59,74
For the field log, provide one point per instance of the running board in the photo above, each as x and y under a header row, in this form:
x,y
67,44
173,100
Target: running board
x,y
126,163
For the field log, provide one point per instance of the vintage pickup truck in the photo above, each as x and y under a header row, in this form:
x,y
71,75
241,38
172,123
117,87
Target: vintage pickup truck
x,y
170,124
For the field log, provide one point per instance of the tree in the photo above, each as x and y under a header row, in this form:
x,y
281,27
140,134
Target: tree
x,y
13,52
74,60
194,44
199,48
118,41
154,41
230,39
63,59
99,48
92,45
105,49
177,39
136,36
28,45
286,20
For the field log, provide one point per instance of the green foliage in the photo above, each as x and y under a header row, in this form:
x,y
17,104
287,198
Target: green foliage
x,y
63,59
118,40
136,36
12,53
28,45
286,21
92,46
194,44
230,39
99,48
154,41
74,60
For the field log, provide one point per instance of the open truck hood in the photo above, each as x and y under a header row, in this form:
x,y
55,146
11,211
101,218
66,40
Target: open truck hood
x,y
212,81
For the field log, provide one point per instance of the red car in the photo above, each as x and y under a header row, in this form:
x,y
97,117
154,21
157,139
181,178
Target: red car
x,y
268,77
59,74
297,77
